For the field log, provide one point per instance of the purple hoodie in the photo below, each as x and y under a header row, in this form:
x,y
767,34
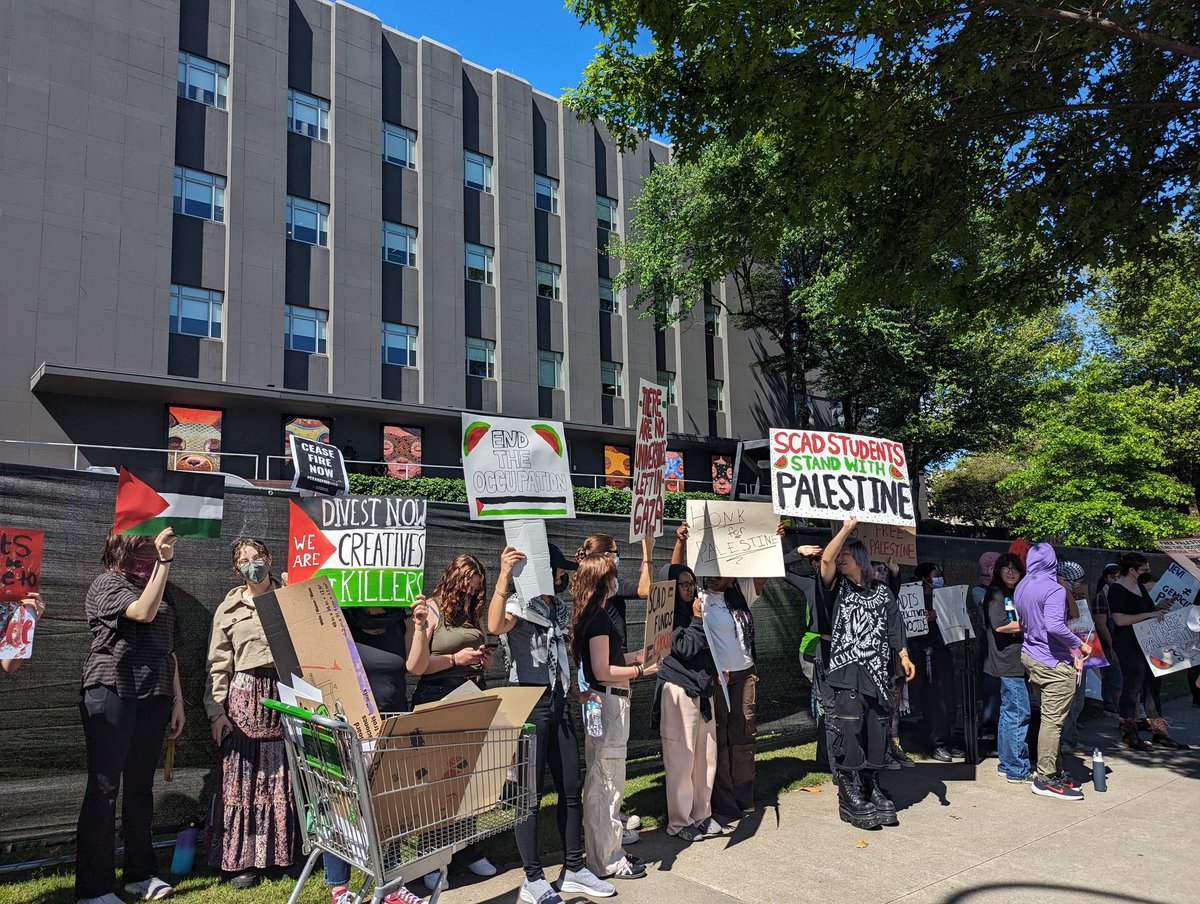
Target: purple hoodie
x,y
1042,607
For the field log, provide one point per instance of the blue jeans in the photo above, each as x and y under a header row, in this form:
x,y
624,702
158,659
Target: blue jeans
x,y
337,871
1013,728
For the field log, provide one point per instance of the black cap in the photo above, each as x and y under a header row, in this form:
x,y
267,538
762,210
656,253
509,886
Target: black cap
x,y
558,560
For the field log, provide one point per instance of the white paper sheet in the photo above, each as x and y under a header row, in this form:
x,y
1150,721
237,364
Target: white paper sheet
x,y
534,577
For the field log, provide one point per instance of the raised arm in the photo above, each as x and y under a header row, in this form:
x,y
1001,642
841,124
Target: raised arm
x,y
644,579
145,607
679,553
829,556
498,620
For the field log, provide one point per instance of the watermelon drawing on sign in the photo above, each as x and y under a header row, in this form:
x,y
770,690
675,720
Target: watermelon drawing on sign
x,y
781,462
897,473
473,434
550,435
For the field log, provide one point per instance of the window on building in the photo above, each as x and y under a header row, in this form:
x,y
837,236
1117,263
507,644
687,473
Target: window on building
x,y
606,213
481,358
307,221
399,244
203,81
837,414
712,319
549,280
608,298
199,194
610,378
666,379
477,171
716,395
308,115
304,329
480,263
545,193
550,374
196,312
399,145
400,344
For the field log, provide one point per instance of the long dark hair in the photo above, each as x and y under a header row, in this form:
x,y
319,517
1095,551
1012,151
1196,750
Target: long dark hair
x,y
1003,562
590,584
458,604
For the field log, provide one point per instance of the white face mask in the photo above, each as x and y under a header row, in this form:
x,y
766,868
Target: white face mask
x,y
615,585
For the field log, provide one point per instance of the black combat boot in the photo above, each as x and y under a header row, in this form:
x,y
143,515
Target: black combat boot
x,y
883,804
853,806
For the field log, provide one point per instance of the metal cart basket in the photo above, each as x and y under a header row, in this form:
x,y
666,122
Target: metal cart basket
x,y
398,807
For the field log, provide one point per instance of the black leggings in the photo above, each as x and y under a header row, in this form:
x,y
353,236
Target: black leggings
x,y
1140,684
558,747
860,731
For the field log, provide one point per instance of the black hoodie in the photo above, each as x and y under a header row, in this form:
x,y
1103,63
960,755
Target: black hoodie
x,y
690,664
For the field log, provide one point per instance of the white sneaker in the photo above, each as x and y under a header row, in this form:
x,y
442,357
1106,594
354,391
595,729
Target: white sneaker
x,y
153,889
482,867
630,820
584,882
431,880
109,898
539,892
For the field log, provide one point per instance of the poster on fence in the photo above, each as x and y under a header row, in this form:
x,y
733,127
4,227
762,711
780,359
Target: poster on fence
x,y
1184,551
649,464
1085,629
20,562
660,621
1176,589
371,548
733,539
818,474
516,468
17,623
1170,645
912,609
950,604
897,542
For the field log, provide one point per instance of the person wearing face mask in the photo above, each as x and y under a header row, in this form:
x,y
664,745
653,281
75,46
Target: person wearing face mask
x,y
253,829
533,634
935,673
131,698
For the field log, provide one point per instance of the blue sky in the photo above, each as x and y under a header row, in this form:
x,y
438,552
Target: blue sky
x,y
537,40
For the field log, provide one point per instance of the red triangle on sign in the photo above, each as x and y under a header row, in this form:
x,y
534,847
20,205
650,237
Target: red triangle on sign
x,y
308,548
478,507
137,502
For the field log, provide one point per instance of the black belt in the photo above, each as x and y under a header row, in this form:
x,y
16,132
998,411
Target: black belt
x,y
612,691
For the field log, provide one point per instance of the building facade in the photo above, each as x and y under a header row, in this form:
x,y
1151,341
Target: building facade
x,y
280,211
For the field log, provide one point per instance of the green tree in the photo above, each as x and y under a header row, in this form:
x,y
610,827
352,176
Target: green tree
x,y
967,492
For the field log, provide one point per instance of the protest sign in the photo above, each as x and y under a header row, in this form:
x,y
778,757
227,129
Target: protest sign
x,y
950,605
1176,587
1184,551
516,468
897,542
372,548
818,474
912,609
314,653
1170,645
534,577
660,621
20,562
649,464
16,630
319,467
733,539
1084,628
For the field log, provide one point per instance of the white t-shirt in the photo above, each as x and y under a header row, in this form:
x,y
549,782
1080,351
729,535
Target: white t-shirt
x,y
729,652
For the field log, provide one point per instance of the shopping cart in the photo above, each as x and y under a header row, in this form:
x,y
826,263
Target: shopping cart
x,y
399,807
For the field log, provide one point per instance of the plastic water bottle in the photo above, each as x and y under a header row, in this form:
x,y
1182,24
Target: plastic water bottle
x,y
591,717
1009,609
1099,781
185,850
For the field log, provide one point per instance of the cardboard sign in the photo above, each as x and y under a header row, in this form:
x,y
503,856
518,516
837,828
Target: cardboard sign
x,y
885,541
660,621
319,467
16,631
649,464
315,655
733,539
1084,628
1170,645
371,548
534,577
1185,551
817,474
950,604
20,562
516,468
1176,587
912,609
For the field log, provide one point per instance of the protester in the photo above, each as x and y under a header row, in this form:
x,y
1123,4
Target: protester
x,y
253,828
459,652
989,685
392,643
866,629
889,573
1053,658
1003,662
1130,603
1071,576
1110,675
35,607
131,698
597,644
534,635
935,684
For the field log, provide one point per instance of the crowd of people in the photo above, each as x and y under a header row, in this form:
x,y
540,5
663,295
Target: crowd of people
x,y
573,644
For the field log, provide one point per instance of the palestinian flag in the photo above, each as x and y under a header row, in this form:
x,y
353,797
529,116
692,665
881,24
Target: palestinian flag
x,y
190,502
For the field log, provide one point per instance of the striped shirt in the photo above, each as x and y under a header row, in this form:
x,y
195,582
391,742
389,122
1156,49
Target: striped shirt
x,y
133,659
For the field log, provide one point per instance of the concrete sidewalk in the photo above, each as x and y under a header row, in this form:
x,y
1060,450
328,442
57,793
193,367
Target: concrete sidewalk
x,y
966,836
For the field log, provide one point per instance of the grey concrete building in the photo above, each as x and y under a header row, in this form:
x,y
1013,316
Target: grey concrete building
x,y
287,209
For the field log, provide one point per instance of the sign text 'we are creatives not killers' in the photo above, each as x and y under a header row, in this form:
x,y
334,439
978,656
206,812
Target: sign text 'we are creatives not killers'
x,y
371,548
516,468
817,474
649,465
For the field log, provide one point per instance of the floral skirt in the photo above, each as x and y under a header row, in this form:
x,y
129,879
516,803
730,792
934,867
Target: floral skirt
x,y
253,824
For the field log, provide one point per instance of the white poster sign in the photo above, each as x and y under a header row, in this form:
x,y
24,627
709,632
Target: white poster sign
x,y
912,609
534,577
516,468
649,464
950,604
733,539
1176,587
1170,644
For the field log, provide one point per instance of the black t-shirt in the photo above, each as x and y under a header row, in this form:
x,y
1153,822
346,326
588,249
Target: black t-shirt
x,y
1003,650
383,660
1121,600
601,624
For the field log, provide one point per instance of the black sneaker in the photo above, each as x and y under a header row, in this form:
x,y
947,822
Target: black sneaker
x,y
1065,780
942,755
690,834
1054,789
957,752
896,754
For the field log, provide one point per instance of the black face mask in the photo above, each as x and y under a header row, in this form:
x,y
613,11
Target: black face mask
x,y
561,583
359,617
